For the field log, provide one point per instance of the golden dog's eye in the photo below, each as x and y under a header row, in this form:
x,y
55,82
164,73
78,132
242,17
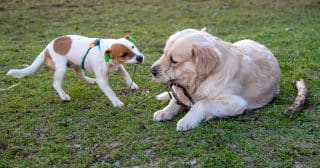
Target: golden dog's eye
x,y
173,61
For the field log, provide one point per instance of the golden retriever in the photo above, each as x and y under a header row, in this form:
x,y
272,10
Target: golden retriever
x,y
222,78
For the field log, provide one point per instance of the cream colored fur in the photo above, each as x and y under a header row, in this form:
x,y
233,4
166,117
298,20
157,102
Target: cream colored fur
x,y
224,79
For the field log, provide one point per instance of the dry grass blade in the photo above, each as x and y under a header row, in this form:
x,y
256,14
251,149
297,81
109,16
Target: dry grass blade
x,y
10,87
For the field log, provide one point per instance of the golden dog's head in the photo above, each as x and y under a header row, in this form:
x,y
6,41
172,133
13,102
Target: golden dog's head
x,y
189,55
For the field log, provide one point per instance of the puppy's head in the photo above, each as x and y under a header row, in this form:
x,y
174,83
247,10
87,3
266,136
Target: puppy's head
x,y
188,55
124,51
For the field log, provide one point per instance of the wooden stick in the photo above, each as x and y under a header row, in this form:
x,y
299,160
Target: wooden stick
x,y
298,104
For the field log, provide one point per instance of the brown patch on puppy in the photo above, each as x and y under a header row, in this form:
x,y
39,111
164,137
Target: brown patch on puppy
x,y
48,60
119,53
62,45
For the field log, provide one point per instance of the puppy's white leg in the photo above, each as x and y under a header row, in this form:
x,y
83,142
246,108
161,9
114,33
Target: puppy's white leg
x,y
101,71
57,82
224,106
88,80
104,86
79,73
168,112
122,72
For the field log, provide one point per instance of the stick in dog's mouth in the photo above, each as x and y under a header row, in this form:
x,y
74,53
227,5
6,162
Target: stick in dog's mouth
x,y
170,85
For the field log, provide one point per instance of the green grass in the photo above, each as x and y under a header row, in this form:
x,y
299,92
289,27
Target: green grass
x,y
38,130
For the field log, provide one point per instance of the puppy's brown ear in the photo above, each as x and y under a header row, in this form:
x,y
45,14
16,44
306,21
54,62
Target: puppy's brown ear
x,y
205,58
128,36
108,52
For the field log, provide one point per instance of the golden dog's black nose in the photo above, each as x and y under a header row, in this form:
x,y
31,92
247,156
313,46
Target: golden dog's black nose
x,y
154,71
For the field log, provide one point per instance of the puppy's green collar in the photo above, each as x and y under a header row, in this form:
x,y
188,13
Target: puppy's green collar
x,y
106,57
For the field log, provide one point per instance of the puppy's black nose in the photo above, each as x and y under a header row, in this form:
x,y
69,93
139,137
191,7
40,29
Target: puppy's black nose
x,y
139,58
154,71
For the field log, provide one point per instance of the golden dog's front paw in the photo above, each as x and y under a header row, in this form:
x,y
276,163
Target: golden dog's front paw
x,y
66,98
162,116
186,124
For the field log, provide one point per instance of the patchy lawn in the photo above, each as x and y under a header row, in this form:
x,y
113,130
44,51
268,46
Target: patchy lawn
x,y
38,130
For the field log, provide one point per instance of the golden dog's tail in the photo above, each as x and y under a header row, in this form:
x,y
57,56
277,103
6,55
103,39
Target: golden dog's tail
x,y
19,73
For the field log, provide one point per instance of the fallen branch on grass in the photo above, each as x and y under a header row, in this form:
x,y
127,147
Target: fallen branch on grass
x,y
300,100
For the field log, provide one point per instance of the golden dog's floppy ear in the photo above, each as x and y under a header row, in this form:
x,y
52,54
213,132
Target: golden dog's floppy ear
x,y
205,58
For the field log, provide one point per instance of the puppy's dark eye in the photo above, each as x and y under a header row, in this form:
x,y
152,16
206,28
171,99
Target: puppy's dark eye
x,y
132,47
173,61
124,54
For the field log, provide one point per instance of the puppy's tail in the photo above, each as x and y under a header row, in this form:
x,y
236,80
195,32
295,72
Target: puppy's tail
x,y
19,73
164,96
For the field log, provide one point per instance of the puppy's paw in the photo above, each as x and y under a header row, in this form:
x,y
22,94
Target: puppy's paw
x,y
186,123
66,98
133,86
117,104
162,116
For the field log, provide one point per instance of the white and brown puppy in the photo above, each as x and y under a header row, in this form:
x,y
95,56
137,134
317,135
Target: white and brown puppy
x,y
223,79
98,56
